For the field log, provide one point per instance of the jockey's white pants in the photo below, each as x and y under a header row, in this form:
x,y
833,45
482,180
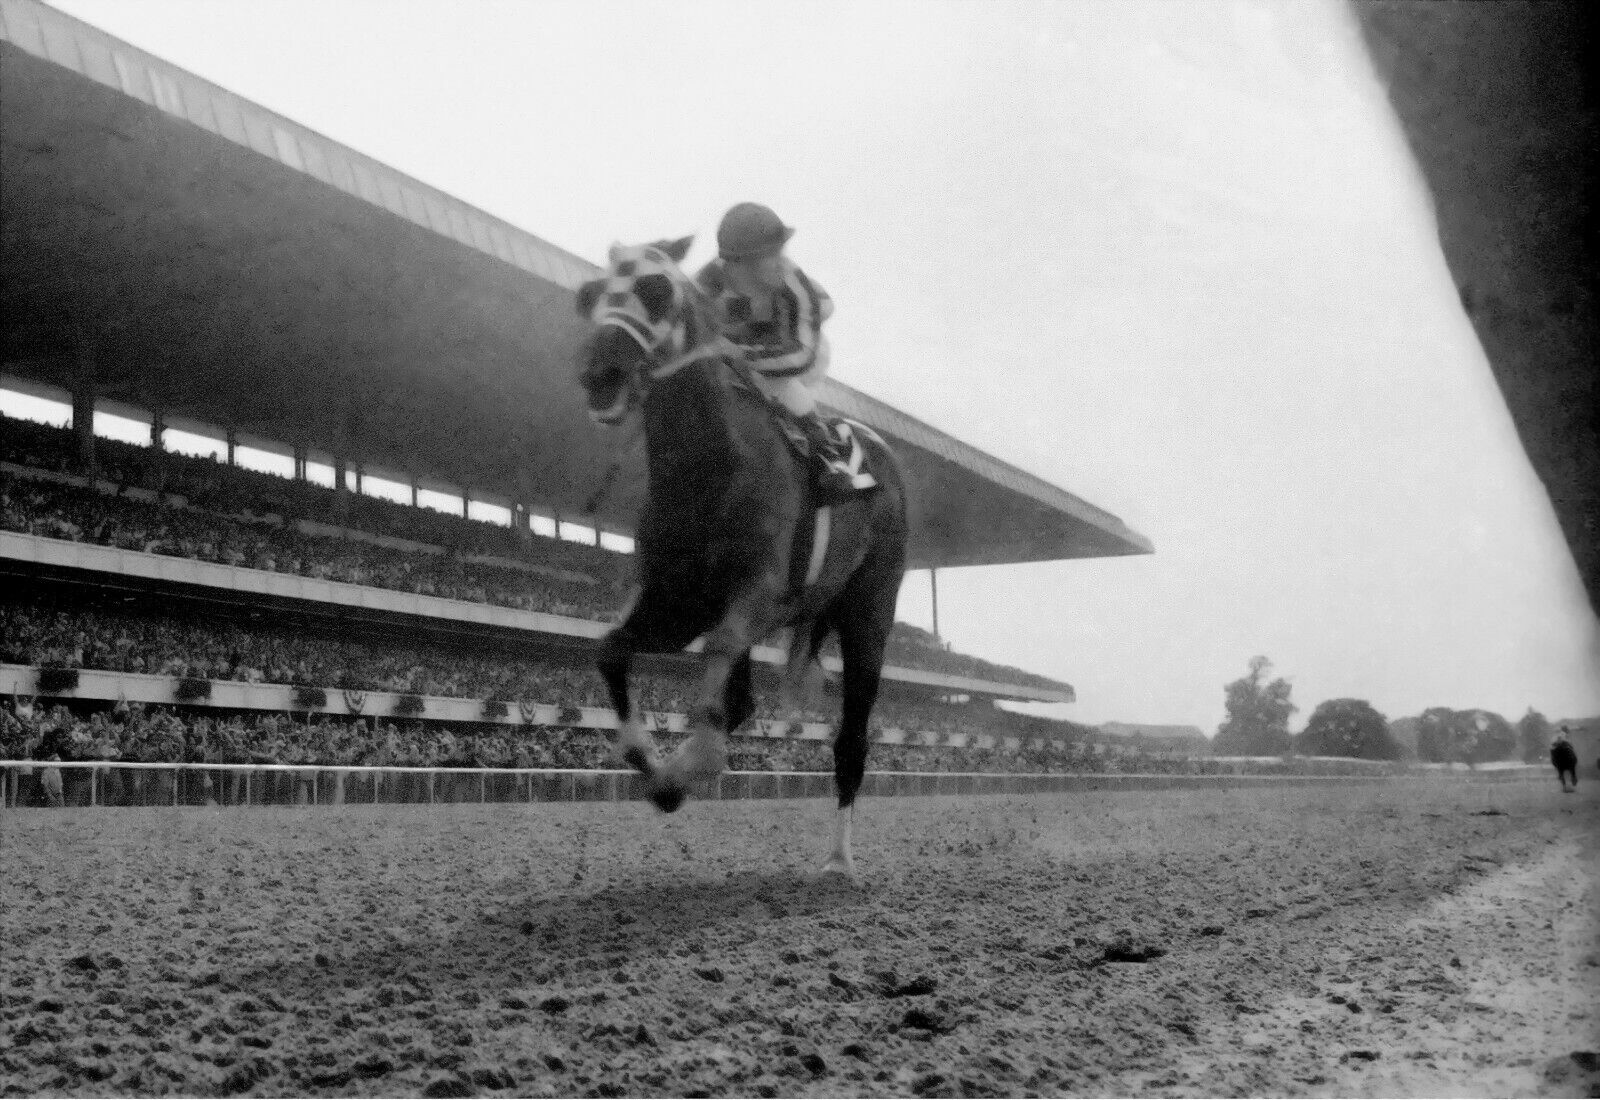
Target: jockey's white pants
x,y
797,394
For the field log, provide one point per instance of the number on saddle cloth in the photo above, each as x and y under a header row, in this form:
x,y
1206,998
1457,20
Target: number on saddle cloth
x,y
843,454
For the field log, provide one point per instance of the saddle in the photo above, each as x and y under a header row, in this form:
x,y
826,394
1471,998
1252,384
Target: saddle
x,y
827,446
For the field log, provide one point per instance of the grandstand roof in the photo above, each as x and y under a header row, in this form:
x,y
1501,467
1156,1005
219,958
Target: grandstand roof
x,y
184,250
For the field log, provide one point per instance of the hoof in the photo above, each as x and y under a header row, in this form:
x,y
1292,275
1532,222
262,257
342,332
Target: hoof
x,y
840,870
668,796
637,759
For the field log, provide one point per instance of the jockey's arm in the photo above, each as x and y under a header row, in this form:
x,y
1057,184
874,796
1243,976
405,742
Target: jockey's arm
x,y
796,352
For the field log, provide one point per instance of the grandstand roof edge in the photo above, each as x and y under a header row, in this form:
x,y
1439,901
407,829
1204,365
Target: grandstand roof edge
x,y
46,33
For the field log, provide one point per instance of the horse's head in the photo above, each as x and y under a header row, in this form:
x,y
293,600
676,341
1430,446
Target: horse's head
x,y
649,318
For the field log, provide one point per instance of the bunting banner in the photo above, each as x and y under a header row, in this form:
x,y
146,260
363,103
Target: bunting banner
x,y
354,700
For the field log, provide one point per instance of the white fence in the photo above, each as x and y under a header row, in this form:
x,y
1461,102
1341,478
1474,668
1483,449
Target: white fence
x,y
26,783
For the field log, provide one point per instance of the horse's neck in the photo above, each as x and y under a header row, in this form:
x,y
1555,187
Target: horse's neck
x,y
690,447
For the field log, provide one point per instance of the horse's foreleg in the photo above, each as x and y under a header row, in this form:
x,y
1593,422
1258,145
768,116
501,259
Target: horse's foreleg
x,y
635,746
727,655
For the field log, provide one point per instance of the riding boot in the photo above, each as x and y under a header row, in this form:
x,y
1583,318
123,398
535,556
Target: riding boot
x,y
832,482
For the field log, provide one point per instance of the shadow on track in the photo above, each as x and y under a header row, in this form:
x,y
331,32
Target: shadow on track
x,y
550,937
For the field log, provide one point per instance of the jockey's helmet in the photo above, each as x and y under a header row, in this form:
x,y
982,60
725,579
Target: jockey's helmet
x,y
750,230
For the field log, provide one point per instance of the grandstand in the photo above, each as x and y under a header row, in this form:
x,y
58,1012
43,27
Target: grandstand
x,y
317,449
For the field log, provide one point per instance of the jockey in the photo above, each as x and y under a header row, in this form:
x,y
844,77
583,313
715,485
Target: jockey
x,y
773,312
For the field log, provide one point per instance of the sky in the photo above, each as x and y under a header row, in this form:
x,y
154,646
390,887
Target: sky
x,y
1174,258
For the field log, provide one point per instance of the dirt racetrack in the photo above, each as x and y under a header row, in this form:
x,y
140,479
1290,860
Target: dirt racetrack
x,y
1430,937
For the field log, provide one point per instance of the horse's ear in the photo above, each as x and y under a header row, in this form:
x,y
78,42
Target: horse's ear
x,y
614,254
655,294
588,295
679,248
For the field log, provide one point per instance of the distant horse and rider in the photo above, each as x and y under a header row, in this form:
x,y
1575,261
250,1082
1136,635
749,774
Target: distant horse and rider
x,y
739,537
1565,760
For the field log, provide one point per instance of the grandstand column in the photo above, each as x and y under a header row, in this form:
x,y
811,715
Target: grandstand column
x,y
233,442
83,427
521,523
933,582
300,459
158,432
341,488
466,501
414,491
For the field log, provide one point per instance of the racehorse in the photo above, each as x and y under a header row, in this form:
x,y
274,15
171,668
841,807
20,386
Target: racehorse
x,y
728,496
1565,759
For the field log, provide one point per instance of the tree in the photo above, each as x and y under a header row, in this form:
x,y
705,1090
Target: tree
x,y
1258,715
1464,736
1436,737
1348,727
1534,733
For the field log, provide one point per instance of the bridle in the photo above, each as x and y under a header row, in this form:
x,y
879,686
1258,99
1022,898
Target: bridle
x,y
668,343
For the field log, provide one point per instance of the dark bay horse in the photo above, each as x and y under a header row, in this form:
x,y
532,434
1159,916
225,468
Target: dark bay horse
x,y
725,500
1564,758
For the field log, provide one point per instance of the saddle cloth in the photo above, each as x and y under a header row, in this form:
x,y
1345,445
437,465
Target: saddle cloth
x,y
848,457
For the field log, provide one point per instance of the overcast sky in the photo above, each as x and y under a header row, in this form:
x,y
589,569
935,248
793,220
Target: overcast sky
x,y
1174,258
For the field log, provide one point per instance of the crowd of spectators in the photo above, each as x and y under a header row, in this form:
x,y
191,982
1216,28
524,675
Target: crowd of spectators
x,y
29,730
199,508
914,647
32,730
81,514
44,632
61,634
213,486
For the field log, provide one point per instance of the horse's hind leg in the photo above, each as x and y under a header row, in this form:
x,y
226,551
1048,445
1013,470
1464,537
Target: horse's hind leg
x,y
802,676
863,637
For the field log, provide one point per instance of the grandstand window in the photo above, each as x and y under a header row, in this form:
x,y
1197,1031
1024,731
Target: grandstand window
x,y
448,503
385,489
266,462
576,532
319,473
622,544
41,410
190,443
489,513
123,428
542,525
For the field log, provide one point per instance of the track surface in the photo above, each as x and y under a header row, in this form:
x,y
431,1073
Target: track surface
x,y
1434,938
